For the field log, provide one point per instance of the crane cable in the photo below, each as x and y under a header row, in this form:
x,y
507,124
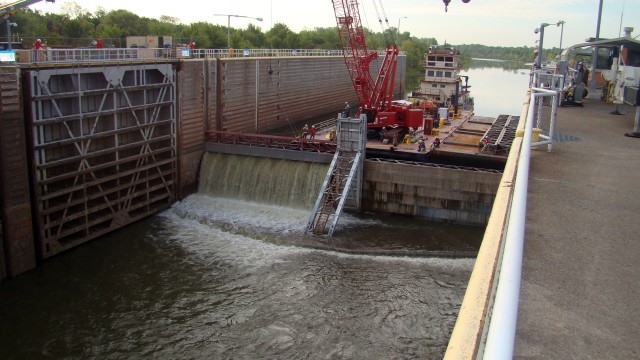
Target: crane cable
x,y
383,26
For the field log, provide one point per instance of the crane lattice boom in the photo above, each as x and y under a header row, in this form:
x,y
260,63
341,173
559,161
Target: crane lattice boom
x,y
374,96
10,8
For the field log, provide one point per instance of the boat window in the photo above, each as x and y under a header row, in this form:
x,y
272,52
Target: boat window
x,y
430,73
447,74
439,73
448,65
434,85
449,59
431,64
440,58
431,58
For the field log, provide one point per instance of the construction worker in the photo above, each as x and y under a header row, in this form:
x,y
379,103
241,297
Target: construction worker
x,y
305,131
421,145
332,134
347,109
312,132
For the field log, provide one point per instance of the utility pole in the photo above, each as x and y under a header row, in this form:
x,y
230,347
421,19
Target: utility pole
x,y
594,60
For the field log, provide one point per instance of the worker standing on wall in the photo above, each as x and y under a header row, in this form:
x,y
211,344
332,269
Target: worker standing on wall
x,y
36,48
305,131
312,132
347,109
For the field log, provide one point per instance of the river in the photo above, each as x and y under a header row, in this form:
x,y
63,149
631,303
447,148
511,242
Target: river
x,y
234,278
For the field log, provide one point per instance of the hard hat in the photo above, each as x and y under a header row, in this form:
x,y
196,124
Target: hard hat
x,y
535,51
39,40
346,102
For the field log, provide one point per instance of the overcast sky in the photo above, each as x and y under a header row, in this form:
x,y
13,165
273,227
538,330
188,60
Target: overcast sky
x,y
487,22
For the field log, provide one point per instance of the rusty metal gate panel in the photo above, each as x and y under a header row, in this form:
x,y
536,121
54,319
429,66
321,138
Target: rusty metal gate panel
x,y
104,149
191,122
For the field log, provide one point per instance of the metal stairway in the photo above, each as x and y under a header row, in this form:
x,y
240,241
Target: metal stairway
x,y
342,184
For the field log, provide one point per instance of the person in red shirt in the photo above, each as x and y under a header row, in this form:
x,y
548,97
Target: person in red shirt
x,y
192,47
37,45
312,132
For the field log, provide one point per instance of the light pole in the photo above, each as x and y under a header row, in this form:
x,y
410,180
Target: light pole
x,y
541,31
402,17
229,24
561,24
9,25
594,61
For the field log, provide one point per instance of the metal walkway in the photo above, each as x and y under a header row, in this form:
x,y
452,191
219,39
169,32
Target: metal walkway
x,y
501,134
343,183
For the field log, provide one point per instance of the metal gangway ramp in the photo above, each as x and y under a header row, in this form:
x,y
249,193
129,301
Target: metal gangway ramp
x,y
342,186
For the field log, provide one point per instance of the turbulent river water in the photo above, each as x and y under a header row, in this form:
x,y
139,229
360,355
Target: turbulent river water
x,y
216,277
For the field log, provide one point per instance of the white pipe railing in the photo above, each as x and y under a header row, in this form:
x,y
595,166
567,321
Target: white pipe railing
x,y
50,55
502,324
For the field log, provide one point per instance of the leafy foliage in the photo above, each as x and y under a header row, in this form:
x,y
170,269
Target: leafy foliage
x,y
77,27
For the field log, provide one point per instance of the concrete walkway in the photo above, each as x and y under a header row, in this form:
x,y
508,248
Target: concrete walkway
x,y
580,295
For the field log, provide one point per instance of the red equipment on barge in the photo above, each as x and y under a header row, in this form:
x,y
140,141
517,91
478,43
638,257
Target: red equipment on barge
x,y
376,97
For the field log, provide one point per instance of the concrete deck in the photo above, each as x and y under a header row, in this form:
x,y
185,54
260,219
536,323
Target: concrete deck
x,y
580,294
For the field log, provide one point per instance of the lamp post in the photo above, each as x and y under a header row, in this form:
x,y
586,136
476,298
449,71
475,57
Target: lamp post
x,y
593,84
561,24
402,17
541,31
229,24
9,25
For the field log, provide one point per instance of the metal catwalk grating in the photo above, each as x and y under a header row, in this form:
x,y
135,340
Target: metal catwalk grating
x,y
104,149
500,135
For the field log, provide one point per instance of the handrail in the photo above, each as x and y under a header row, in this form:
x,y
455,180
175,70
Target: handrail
x,y
51,55
502,326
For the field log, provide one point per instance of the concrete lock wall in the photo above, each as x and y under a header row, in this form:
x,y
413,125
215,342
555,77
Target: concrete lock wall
x,y
234,94
260,94
17,249
461,196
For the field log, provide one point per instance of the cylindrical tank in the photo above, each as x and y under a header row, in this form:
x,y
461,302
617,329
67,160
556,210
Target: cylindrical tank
x,y
443,113
428,125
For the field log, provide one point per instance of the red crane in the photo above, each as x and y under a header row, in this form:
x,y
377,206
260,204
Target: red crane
x,y
375,96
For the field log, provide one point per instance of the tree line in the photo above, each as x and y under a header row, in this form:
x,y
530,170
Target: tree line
x,y
77,27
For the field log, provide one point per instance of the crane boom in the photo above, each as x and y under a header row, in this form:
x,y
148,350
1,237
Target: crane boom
x,y
375,96
10,8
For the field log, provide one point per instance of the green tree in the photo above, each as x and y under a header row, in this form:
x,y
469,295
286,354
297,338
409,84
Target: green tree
x,y
281,37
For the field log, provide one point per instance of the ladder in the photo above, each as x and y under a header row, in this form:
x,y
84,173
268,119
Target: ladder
x,y
343,180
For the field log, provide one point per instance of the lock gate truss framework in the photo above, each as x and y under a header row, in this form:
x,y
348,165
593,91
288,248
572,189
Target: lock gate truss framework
x,y
104,149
